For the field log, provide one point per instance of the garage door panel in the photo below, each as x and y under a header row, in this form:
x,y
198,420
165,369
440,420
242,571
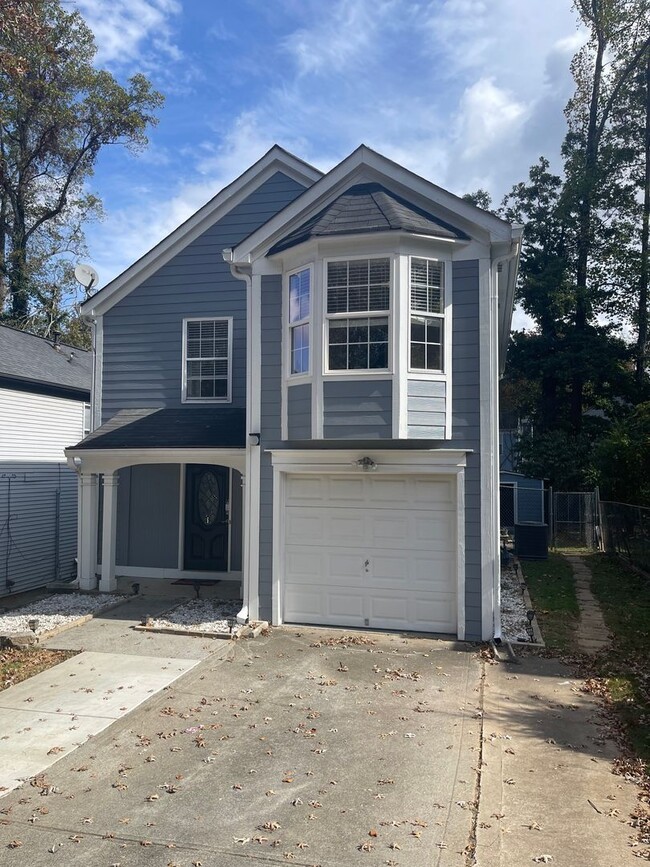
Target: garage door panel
x,y
371,551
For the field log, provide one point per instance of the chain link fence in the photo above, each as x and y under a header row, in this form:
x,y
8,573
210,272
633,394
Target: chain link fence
x,y
626,531
575,520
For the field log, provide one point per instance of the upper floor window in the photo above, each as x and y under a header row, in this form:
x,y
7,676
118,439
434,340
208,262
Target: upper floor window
x,y
358,310
427,314
207,352
299,313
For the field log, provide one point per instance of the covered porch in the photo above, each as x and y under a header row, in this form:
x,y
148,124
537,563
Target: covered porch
x,y
162,498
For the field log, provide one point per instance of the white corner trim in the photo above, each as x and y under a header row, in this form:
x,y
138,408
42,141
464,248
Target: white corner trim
x,y
487,373
98,374
460,562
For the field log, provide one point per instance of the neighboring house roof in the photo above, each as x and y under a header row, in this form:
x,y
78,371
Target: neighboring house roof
x,y
158,428
366,208
32,363
276,159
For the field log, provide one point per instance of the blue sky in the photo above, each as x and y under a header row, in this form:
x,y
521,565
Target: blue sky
x,y
467,93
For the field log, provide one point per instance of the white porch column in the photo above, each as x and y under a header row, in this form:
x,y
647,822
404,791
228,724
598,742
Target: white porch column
x,y
108,582
87,518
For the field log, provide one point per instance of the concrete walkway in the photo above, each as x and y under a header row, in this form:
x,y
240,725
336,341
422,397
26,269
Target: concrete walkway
x,y
592,634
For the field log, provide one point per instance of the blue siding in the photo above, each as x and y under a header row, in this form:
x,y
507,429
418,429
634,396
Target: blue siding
x,y
143,332
466,426
299,411
271,427
148,514
358,409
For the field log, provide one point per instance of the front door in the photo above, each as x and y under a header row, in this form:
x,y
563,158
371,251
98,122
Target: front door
x,y
206,517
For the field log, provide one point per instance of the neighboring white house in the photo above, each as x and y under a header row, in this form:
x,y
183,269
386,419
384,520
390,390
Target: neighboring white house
x,y
44,404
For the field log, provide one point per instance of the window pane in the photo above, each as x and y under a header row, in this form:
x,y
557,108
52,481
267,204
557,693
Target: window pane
x,y
207,388
358,356
358,270
300,349
378,356
379,330
418,328
193,348
338,359
417,356
434,360
434,330
339,331
358,331
299,301
357,299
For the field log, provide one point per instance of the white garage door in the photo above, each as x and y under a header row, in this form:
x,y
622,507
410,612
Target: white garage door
x,y
377,551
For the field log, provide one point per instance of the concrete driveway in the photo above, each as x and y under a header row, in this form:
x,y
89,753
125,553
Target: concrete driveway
x,y
309,748
299,747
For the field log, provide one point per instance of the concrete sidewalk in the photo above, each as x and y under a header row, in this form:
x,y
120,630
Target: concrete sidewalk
x,y
547,786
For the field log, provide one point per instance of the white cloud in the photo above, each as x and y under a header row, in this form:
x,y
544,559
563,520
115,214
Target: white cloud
x,y
127,29
465,92
488,116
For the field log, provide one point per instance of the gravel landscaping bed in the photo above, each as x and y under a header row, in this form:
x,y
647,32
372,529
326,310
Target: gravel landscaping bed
x,y
514,623
60,609
198,615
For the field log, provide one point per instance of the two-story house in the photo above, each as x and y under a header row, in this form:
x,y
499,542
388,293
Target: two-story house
x,y
297,390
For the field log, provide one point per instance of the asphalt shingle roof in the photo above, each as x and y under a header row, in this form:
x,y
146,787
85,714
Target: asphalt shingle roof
x,y
178,428
28,358
369,208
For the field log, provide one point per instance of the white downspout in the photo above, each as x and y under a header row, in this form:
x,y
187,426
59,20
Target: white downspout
x,y
494,451
247,590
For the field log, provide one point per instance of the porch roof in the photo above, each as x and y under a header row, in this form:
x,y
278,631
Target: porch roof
x,y
186,427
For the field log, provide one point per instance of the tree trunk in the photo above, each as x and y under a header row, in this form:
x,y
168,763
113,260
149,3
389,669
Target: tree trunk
x,y
642,315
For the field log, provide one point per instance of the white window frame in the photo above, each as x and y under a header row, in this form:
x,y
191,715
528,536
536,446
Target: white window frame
x,y
363,372
184,395
289,326
443,370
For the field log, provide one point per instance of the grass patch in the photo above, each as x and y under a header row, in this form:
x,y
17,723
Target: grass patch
x,y
552,590
18,665
624,598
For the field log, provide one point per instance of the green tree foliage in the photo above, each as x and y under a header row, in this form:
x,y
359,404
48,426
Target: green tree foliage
x,y
622,459
584,266
57,111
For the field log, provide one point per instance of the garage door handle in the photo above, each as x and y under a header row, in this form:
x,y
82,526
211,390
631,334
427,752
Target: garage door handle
x,y
366,565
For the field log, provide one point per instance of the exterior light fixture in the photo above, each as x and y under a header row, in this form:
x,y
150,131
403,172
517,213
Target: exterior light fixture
x,y
366,464
254,439
530,615
33,624
232,622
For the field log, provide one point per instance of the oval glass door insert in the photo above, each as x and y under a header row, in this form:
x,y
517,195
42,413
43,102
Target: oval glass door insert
x,y
208,496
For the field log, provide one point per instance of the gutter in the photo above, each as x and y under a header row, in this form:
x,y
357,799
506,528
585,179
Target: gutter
x,y
515,249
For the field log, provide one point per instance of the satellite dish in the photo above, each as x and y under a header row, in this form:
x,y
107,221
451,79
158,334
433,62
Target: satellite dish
x,y
87,276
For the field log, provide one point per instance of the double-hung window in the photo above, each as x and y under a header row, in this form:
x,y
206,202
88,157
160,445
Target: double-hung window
x,y
207,351
427,317
358,310
299,312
